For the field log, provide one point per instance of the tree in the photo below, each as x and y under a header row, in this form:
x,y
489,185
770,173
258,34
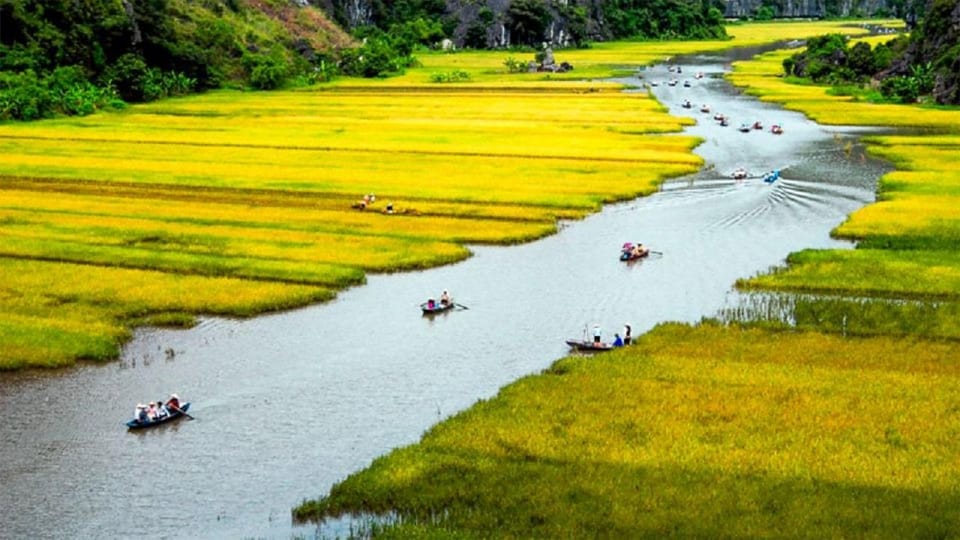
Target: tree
x,y
527,21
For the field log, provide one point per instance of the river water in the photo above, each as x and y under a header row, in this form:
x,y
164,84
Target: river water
x,y
289,403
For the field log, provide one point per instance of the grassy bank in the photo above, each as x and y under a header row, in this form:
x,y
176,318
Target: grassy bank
x,y
834,416
693,432
259,188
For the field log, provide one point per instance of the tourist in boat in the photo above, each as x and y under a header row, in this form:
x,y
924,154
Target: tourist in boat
x,y
626,334
173,404
617,340
445,298
596,335
431,303
152,411
161,410
639,250
142,415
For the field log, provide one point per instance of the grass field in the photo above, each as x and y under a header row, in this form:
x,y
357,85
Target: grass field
x,y
693,432
835,415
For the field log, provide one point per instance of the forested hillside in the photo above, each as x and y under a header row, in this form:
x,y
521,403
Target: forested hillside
x,y
74,56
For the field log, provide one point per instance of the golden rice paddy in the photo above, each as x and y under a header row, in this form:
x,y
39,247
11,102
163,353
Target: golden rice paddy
x,y
724,430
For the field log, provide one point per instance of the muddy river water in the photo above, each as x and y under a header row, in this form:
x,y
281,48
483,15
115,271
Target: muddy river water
x,y
287,404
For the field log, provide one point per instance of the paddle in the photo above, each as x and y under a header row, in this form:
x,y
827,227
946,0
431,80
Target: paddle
x,y
460,305
177,409
657,252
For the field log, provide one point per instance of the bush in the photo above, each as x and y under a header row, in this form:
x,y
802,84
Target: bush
x,y
515,66
450,76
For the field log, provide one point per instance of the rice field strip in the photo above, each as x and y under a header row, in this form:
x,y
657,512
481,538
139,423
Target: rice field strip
x,y
355,150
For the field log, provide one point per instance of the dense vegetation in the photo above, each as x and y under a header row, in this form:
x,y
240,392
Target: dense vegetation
x,y
73,57
924,66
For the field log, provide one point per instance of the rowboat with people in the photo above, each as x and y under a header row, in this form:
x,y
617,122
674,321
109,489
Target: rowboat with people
x,y
432,307
632,252
172,414
589,346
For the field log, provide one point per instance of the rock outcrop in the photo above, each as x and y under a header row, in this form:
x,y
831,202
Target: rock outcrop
x,y
935,43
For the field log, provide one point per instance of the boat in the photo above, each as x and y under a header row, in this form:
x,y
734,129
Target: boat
x,y
744,128
776,129
436,307
136,424
771,176
757,125
672,82
686,84
589,346
687,104
627,252
739,174
705,108
724,122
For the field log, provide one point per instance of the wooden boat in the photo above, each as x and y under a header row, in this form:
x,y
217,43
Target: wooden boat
x,y
437,308
630,256
744,128
776,129
687,105
588,346
136,424
686,84
739,174
757,125
705,109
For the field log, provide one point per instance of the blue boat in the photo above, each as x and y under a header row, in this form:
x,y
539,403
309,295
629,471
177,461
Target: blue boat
x,y
772,176
136,424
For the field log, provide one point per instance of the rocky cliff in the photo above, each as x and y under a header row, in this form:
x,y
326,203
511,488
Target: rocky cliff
x,y
935,47
467,14
815,8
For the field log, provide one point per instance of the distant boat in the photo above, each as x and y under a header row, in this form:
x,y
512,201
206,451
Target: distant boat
x,y
705,108
744,128
771,176
757,125
686,84
137,424
429,308
589,346
776,129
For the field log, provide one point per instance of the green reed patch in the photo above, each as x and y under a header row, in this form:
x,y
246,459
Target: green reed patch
x,y
695,431
866,272
846,316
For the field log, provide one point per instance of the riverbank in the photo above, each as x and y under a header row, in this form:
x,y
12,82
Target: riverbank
x,y
731,430
146,217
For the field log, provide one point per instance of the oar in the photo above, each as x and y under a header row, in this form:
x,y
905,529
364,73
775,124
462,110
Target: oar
x,y
657,252
179,410
460,305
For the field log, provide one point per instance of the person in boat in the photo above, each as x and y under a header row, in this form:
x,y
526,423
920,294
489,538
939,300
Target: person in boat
x,y
431,303
173,404
639,250
617,340
596,335
161,410
627,334
140,413
152,411
445,298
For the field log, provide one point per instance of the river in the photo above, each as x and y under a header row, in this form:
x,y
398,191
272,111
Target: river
x,y
289,403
